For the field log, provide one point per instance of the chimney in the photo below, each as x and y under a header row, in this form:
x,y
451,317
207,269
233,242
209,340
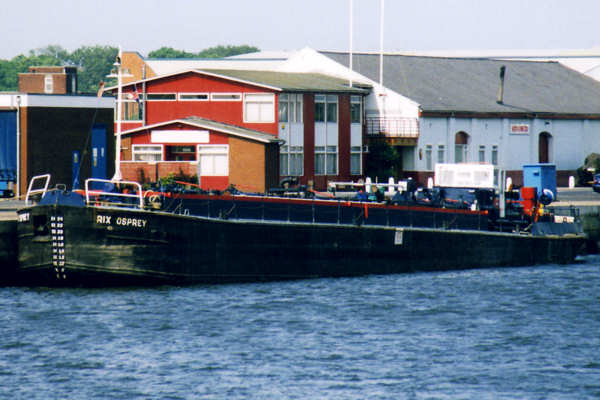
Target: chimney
x,y
500,99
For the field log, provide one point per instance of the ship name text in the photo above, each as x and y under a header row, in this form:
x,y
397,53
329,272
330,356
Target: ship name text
x,y
121,221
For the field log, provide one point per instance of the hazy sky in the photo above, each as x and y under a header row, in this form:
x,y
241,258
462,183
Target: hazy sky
x,y
193,25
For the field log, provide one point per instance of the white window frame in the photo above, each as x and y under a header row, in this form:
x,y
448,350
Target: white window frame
x,y
212,149
320,99
441,148
149,95
48,83
135,151
356,151
266,106
429,157
325,152
234,96
125,106
292,152
481,153
294,110
181,96
356,100
494,158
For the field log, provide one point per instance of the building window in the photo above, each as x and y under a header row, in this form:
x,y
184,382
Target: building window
x,y
160,96
325,108
461,143
48,84
226,96
213,160
495,155
326,160
284,108
355,110
332,108
291,160
180,153
429,157
146,152
259,107
481,154
319,108
131,110
290,108
441,154
193,96
355,160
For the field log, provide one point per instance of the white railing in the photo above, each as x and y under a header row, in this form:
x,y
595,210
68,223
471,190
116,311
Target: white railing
x,y
393,127
104,197
31,191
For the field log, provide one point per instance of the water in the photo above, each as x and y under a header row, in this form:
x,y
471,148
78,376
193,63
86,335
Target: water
x,y
514,333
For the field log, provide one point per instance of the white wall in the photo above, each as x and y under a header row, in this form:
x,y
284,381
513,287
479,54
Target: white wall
x,y
572,140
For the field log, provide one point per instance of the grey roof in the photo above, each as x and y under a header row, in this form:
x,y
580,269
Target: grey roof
x,y
213,125
232,129
292,81
471,85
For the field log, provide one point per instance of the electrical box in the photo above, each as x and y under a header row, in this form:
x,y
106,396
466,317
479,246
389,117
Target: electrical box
x,y
540,176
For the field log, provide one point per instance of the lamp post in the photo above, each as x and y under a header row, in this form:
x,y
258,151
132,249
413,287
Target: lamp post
x,y
118,73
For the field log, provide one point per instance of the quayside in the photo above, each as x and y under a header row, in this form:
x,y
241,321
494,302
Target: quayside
x,y
134,237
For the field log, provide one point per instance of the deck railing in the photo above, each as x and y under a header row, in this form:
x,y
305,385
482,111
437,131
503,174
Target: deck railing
x,y
109,193
393,127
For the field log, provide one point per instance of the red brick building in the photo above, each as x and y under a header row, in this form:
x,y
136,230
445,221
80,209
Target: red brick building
x,y
317,118
220,154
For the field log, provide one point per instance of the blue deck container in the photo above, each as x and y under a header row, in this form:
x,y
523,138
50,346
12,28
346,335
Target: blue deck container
x,y
540,176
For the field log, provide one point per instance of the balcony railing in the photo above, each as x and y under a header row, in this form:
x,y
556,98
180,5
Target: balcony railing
x,y
393,127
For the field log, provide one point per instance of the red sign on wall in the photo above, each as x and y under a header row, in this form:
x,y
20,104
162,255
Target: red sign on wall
x,y
519,128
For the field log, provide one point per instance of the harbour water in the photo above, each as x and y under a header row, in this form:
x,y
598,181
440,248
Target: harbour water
x,y
510,333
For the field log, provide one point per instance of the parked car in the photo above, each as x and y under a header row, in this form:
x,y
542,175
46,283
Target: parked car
x,y
596,183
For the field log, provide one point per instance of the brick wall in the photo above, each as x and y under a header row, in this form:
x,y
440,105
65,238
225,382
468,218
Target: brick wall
x,y
146,172
35,83
132,61
247,165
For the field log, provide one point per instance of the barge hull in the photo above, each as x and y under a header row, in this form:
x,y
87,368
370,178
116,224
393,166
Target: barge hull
x,y
61,245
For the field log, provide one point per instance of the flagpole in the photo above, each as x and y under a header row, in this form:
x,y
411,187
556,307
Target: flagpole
x,y
351,22
381,45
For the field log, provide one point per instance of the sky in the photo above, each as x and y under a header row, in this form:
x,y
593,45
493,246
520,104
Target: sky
x,y
194,25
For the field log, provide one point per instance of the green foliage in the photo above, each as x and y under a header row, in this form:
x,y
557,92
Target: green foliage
x,y
169,52
181,176
381,161
212,52
94,62
591,166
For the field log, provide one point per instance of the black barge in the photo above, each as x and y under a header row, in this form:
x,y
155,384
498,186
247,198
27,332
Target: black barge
x,y
102,238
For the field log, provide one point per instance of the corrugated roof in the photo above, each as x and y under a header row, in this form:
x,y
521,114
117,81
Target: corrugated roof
x,y
292,81
471,85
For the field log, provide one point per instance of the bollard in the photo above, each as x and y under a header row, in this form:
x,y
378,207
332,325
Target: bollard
x,y
571,182
391,187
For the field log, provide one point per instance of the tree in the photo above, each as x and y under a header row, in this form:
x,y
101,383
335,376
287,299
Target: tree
x,y
212,52
226,51
381,161
169,52
93,63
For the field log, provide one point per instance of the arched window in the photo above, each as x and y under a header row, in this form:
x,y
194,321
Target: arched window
x,y
461,147
544,147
